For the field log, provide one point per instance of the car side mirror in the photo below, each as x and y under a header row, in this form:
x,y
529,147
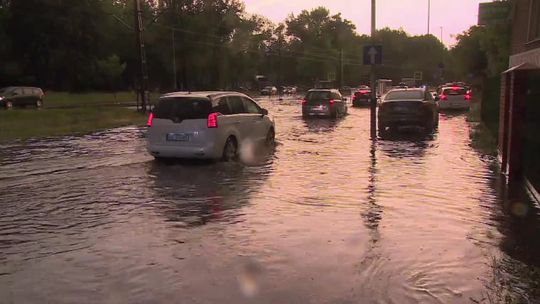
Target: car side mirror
x,y
345,99
264,112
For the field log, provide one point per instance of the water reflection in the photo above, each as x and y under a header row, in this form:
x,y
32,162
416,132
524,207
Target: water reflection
x,y
321,125
196,193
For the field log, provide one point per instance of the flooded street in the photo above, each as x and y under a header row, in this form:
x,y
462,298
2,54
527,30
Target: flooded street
x,y
330,217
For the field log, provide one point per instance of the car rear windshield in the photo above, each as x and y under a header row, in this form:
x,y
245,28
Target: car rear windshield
x,y
318,95
404,95
180,108
362,92
455,91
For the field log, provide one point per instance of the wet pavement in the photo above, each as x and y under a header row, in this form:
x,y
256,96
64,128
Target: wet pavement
x,y
329,217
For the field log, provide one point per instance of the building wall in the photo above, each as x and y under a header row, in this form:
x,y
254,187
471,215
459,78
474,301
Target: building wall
x,y
520,27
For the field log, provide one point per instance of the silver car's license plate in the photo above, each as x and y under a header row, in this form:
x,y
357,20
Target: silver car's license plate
x,y
177,137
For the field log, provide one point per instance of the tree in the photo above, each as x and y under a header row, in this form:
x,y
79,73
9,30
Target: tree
x,y
111,69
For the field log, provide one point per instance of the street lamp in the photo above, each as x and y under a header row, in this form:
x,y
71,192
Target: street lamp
x,y
428,15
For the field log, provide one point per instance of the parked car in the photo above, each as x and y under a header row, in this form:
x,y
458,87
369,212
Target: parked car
x,y
361,98
206,125
21,96
346,91
454,98
408,107
289,90
324,103
269,90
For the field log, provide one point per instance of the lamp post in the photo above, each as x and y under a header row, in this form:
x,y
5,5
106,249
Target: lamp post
x,y
428,15
373,107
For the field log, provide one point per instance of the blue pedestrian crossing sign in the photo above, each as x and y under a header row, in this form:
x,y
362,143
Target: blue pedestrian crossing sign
x,y
372,54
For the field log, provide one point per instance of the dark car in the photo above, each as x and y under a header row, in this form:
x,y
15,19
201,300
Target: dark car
x,y
408,107
21,96
324,103
361,98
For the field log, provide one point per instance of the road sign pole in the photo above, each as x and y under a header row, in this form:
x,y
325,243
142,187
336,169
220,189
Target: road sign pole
x,y
373,128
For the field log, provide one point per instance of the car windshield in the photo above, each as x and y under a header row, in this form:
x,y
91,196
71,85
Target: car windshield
x,y
404,95
455,91
318,95
5,91
180,108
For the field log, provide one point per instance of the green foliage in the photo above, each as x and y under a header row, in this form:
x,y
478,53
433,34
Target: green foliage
x,y
210,44
111,70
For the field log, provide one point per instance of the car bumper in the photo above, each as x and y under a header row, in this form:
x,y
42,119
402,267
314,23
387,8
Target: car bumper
x,y
361,102
404,120
191,152
454,105
317,112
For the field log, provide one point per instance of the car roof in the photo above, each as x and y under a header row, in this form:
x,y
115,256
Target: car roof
x,y
202,94
323,90
406,89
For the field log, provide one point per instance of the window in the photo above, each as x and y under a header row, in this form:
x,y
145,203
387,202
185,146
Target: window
x,y
222,106
236,105
180,108
534,20
318,95
400,95
18,91
455,91
251,107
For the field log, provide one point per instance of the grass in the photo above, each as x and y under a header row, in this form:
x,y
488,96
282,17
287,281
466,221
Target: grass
x,y
25,124
66,99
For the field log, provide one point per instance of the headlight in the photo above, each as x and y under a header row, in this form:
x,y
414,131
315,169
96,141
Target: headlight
x,y
1,97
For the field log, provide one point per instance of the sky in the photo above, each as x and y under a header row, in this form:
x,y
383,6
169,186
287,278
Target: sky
x,y
454,16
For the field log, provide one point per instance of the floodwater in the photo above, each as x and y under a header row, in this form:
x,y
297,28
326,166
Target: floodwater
x,y
329,217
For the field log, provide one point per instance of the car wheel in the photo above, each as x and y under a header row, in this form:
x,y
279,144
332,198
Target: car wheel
x,y
271,138
8,104
39,103
230,151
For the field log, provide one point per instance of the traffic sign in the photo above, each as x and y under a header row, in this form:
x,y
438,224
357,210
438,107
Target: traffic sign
x,y
372,54
418,75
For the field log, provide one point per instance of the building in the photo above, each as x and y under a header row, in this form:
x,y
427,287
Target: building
x,y
519,120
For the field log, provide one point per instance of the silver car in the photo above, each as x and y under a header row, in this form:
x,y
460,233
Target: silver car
x,y
206,125
454,98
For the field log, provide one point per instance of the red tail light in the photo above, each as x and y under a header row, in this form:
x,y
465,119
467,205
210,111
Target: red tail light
x,y
332,102
468,97
304,102
212,120
150,120
444,97
354,97
364,92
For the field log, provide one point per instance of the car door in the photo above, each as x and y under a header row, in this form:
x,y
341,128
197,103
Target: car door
x,y
17,96
258,123
239,117
28,96
339,102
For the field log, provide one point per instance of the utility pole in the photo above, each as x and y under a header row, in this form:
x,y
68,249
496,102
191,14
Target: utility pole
x,y
442,41
428,15
373,128
341,81
175,84
143,76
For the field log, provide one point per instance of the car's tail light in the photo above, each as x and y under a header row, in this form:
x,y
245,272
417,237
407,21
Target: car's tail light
x,y
364,92
304,102
150,120
332,102
444,97
354,97
468,97
212,120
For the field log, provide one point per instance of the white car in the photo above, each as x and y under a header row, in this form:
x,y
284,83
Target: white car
x,y
454,98
206,125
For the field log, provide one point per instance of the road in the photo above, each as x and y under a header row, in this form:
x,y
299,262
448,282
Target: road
x,y
329,217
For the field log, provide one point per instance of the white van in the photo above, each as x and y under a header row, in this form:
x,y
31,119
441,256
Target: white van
x,y
206,125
